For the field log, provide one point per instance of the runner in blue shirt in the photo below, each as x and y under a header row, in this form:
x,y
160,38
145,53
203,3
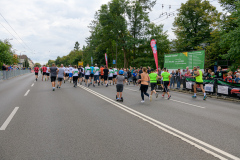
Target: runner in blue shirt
x,y
91,74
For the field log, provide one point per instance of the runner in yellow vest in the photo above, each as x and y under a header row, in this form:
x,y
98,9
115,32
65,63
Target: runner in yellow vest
x,y
199,81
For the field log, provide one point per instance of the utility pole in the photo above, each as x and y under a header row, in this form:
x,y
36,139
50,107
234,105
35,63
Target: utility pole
x,y
116,50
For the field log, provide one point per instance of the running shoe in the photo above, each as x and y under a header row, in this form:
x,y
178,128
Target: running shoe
x,y
88,85
142,101
98,83
194,96
57,86
169,97
53,89
64,81
163,96
205,97
150,98
107,85
156,95
93,85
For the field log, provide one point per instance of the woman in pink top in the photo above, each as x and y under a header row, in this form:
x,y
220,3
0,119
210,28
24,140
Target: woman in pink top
x,y
188,74
144,83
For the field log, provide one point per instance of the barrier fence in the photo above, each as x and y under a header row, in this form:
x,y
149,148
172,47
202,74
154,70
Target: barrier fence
x,y
4,75
216,86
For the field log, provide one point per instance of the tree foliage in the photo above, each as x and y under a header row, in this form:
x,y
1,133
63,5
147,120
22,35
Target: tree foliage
x,y
6,54
231,39
194,23
122,29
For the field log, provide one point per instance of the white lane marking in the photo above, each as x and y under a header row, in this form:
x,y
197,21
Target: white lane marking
x,y
8,120
131,89
187,103
32,85
27,93
185,137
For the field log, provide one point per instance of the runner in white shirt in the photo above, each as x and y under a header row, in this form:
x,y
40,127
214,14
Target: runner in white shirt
x,y
47,72
70,73
115,70
75,75
110,76
87,75
96,75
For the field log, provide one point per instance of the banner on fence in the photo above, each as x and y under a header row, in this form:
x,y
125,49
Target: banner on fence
x,y
223,89
189,85
208,85
227,88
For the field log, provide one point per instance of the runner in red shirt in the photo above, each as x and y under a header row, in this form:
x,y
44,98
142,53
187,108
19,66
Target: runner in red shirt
x,y
44,70
36,69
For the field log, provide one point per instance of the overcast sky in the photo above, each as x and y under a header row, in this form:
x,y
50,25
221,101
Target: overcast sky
x,y
50,28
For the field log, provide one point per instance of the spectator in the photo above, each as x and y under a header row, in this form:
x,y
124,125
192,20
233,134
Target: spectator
x,y
209,74
188,74
229,78
159,71
219,73
212,75
178,78
172,80
237,79
185,71
149,70
205,75
4,67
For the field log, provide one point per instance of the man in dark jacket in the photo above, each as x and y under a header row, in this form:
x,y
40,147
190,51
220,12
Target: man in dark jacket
x,y
219,73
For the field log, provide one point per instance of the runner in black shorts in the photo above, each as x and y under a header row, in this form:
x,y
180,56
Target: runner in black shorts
x,y
166,76
105,75
79,73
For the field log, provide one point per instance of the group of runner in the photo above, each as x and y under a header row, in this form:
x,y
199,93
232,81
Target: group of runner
x,y
93,75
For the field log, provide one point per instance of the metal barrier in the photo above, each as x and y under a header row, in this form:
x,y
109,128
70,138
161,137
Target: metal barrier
x,y
13,73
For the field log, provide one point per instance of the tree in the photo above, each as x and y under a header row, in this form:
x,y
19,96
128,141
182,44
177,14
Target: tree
x,y
37,64
231,39
25,63
76,47
6,55
193,25
50,62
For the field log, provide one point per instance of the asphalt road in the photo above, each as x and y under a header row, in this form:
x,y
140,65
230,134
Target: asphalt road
x,y
87,123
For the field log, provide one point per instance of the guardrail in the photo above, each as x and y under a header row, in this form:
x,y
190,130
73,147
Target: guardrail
x,y
4,75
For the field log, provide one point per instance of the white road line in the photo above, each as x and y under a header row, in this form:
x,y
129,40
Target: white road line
x,y
27,93
185,137
8,120
131,89
32,85
187,103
